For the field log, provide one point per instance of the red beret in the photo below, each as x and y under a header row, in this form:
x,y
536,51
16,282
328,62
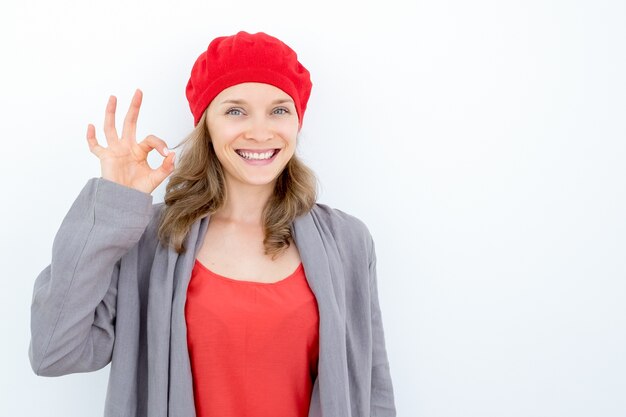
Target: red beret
x,y
245,57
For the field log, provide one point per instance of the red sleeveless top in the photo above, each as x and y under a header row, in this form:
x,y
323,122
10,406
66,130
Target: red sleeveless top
x,y
253,346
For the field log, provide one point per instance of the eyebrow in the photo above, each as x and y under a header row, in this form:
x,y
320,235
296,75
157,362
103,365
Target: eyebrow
x,y
241,101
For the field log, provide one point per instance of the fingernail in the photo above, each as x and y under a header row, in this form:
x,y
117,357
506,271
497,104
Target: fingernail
x,y
166,151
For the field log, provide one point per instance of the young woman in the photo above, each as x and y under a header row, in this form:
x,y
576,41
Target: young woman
x,y
239,295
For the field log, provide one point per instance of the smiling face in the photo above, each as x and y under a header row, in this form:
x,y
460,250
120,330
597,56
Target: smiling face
x,y
253,129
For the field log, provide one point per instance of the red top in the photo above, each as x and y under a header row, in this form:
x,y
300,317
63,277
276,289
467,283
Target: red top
x,y
253,346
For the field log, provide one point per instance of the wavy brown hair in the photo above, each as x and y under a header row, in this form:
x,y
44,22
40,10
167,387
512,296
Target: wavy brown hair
x,y
197,187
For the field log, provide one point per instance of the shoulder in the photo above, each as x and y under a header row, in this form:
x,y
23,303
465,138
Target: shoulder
x,y
157,209
343,226
155,213
150,235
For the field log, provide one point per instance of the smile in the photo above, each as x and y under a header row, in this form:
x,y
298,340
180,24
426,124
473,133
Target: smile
x,y
258,158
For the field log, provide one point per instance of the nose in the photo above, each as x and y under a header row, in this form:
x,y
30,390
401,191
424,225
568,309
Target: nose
x,y
259,128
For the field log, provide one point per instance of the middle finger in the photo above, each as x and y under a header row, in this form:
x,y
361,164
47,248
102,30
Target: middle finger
x,y
109,121
130,121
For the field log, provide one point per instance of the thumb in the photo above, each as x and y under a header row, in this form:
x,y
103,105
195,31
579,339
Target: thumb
x,y
166,168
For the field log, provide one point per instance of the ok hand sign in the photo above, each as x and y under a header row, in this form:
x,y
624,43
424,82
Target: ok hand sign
x,y
124,161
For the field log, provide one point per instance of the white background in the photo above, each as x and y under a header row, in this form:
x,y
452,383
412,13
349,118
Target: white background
x,y
483,143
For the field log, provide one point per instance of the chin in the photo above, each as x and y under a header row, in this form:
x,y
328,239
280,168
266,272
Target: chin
x,y
262,180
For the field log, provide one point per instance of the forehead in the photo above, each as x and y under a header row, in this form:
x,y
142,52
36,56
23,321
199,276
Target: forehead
x,y
252,91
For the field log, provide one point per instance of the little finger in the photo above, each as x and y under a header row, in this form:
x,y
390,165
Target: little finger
x,y
94,147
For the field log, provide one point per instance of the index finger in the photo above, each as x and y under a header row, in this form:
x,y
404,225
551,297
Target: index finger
x,y
130,121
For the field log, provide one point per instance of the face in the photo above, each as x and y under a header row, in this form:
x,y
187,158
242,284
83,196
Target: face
x,y
253,128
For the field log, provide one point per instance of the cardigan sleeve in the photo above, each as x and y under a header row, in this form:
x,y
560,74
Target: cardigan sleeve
x,y
74,298
382,397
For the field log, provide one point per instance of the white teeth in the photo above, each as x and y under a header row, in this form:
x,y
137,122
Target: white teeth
x,y
250,155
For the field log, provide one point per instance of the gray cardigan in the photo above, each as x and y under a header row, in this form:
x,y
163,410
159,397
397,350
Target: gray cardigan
x,y
113,293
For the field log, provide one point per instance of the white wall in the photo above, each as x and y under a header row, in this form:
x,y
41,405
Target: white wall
x,y
482,142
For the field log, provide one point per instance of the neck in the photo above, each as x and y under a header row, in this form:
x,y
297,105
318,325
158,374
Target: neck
x,y
244,203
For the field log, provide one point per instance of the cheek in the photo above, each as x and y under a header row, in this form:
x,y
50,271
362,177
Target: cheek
x,y
219,145
223,132
290,131
221,139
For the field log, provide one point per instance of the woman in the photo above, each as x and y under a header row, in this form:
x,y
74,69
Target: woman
x,y
239,295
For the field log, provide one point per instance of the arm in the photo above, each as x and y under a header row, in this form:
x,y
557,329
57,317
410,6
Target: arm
x,y
382,397
74,297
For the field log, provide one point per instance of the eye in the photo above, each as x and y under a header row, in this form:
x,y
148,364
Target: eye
x,y
233,109
282,108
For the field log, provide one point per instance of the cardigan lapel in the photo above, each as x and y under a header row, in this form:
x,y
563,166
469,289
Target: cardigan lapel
x,y
159,312
324,273
181,397
170,384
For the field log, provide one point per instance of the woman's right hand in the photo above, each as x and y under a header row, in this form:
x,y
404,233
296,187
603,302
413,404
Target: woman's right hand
x,y
124,161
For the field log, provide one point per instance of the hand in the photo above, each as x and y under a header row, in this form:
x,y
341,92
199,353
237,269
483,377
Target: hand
x,y
124,161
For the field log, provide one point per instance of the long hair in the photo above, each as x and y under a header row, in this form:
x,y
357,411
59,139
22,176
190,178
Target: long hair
x,y
197,188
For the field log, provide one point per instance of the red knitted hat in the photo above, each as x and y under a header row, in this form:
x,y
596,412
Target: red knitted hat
x,y
245,57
